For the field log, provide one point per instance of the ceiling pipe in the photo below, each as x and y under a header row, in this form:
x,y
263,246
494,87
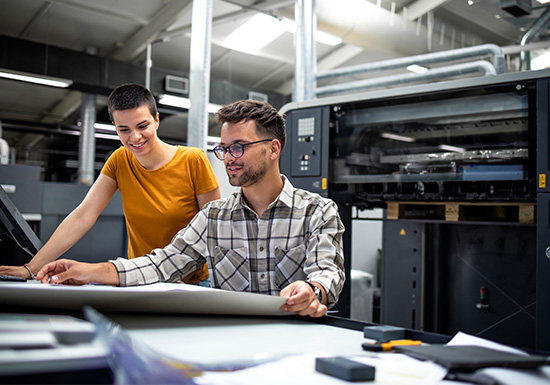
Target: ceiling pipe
x,y
430,58
431,75
531,34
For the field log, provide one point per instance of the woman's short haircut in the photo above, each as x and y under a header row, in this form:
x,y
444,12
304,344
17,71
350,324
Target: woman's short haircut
x,y
129,96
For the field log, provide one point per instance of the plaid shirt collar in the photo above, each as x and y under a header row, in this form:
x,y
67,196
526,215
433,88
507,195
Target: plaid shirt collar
x,y
285,197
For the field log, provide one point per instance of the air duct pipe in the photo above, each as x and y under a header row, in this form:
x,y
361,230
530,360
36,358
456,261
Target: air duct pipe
x,y
430,58
530,35
431,75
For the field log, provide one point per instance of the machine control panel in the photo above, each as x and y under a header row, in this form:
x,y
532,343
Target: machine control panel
x,y
306,144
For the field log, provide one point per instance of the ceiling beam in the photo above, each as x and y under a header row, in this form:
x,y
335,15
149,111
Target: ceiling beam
x,y
63,109
103,11
227,17
37,16
421,7
162,19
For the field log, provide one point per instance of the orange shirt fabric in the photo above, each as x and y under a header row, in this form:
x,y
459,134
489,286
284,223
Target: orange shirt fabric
x,y
159,203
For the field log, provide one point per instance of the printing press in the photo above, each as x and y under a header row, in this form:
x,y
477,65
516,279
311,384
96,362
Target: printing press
x,y
459,169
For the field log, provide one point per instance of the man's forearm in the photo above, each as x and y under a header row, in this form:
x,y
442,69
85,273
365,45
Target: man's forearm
x,y
105,273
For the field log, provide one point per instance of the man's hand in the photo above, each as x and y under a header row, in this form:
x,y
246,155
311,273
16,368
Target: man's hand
x,y
78,273
302,300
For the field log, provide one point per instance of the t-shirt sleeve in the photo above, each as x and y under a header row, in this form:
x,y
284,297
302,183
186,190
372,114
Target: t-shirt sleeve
x,y
109,168
204,178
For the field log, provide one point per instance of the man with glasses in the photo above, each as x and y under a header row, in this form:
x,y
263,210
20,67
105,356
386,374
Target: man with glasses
x,y
268,237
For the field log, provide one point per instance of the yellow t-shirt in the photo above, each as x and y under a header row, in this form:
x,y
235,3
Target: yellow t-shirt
x,y
159,203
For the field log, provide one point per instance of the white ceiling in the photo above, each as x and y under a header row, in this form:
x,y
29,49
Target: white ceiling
x,y
371,30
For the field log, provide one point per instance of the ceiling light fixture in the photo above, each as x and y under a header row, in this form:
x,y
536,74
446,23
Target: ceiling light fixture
x,y
446,147
417,69
543,1
400,138
44,80
178,101
175,101
262,29
105,126
255,34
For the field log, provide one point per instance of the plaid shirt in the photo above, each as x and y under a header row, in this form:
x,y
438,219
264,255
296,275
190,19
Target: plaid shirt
x,y
298,237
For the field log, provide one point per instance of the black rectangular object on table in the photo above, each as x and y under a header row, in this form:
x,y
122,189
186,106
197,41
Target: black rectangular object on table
x,y
344,369
384,332
467,357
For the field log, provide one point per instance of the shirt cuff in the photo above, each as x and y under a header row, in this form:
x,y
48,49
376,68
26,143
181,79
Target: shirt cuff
x,y
122,268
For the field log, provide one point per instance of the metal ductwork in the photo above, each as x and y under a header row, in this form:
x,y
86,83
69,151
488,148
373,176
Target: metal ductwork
x,y
431,75
431,58
530,35
100,75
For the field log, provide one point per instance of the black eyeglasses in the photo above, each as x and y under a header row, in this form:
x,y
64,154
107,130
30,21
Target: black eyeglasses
x,y
236,149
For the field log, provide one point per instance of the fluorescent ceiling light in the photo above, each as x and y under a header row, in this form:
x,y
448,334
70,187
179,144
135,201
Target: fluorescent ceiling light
x,y
175,101
44,80
106,136
104,126
417,69
262,29
96,135
450,148
255,34
178,101
400,138
543,1
213,108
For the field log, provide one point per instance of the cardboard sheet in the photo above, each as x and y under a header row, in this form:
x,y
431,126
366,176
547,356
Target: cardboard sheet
x,y
155,298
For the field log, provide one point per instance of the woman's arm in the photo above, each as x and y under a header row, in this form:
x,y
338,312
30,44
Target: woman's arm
x,y
211,195
72,229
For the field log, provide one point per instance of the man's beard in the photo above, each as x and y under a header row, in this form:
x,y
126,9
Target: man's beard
x,y
248,177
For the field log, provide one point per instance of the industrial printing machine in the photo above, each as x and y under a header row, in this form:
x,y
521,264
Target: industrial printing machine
x,y
460,169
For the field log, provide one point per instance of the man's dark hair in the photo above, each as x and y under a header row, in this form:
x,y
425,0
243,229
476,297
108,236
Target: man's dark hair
x,y
129,96
269,122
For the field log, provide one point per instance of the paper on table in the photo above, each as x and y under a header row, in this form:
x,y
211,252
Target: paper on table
x,y
462,338
390,369
155,298
507,376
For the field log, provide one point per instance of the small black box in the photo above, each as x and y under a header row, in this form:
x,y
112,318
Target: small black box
x,y
344,369
384,332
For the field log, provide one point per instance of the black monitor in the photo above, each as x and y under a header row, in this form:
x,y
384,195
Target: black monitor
x,y
15,234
